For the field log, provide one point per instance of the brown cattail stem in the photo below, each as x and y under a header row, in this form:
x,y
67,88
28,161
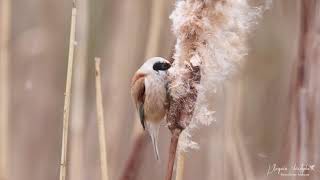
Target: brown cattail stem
x,y
180,114
135,158
197,28
172,153
181,109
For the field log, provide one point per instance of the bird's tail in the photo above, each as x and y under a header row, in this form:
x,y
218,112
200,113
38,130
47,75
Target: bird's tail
x,y
153,129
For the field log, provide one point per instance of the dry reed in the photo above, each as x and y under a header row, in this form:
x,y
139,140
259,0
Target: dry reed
x,y
5,13
78,97
180,165
100,122
66,109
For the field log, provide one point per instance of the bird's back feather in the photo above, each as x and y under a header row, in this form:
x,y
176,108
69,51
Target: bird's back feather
x,y
138,95
141,115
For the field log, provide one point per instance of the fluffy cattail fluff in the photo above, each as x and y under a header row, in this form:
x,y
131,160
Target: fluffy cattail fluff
x,y
210,34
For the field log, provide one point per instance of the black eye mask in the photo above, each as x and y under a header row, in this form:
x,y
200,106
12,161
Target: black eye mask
x,y
161,66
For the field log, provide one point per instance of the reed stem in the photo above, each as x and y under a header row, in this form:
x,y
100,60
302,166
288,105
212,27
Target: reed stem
x,y
180,165
5,12
100,122
66,111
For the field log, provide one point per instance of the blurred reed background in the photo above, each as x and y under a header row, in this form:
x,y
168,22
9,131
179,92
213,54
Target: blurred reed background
x,y
251,109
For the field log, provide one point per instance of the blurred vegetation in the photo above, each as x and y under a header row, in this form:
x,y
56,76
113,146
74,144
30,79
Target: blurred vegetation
x,y
251,108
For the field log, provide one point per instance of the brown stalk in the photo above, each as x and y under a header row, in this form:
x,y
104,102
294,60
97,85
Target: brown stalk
x,y
181,109
303,121
133,164
180,114
172,152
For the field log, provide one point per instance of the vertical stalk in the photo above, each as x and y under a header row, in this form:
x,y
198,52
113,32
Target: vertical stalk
x,y
66,111
180,165
100,122
304,95
4,85
236,153
172,153
78,97
133,164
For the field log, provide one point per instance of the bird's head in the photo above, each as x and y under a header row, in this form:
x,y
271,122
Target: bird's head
x,y
155,66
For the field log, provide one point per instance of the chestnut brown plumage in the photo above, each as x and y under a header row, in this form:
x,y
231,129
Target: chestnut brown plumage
x,y
149,93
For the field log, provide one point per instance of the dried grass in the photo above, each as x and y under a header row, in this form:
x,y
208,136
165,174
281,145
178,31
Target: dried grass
x,y
66,109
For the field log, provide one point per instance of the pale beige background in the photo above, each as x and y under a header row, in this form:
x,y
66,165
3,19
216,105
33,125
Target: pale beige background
x,y
243,141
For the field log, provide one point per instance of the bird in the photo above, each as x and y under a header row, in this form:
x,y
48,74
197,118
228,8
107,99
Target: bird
x,y
149,94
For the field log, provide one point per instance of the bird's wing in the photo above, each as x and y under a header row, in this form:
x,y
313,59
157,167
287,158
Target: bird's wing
x,y
141,114
138,94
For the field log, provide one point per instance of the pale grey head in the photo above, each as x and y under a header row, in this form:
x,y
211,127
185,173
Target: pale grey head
x,y
155,66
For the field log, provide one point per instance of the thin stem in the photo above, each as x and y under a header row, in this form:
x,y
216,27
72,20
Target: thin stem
x,y
78,97
180,165
172,153
100,122
4,85
133,164
66,112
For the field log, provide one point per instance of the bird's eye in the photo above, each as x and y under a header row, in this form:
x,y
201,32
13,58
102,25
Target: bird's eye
x,y
161,66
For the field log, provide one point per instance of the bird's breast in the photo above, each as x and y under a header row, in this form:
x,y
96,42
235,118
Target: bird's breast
x,y
155,99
